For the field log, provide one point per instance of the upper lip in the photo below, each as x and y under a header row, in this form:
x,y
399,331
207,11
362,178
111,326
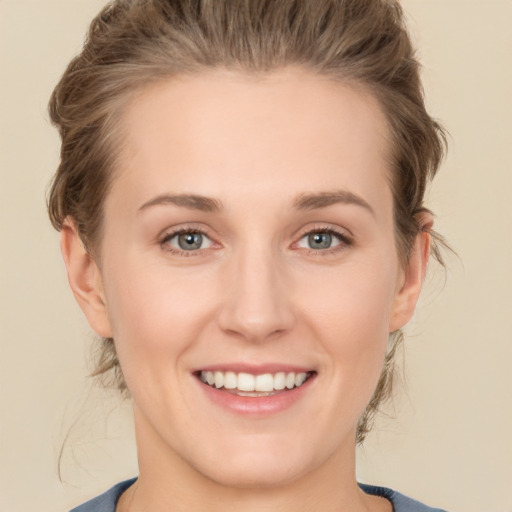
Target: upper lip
x,y
254,369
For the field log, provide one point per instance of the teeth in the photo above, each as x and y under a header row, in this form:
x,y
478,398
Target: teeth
x,y
247,383
264,382
279,380
219,379
230,380
300,378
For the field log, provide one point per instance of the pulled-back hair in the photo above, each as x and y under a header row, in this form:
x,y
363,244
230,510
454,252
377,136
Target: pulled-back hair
x,y
133,43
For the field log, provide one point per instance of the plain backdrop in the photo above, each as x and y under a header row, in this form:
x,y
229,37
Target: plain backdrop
x,y
446,439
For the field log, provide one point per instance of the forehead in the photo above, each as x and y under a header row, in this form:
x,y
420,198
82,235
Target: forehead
x,y
220,131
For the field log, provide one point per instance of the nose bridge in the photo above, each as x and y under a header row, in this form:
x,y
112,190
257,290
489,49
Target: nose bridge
x,y
256,304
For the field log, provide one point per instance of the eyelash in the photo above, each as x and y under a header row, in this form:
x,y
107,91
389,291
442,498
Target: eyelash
x,y
345,241
167,237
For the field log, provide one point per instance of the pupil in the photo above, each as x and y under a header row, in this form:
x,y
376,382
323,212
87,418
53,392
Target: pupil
x,y
190,241
320,240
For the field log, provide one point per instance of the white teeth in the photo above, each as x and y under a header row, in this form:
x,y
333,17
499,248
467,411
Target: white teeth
x,y
290,380
300,378
264,382
245,382
248,383
219,379
230,381
279,381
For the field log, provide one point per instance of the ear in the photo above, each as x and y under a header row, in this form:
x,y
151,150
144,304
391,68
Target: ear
x,y
413,275
85,279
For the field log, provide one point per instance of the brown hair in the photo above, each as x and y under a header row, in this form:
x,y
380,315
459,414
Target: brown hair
x,y
132,43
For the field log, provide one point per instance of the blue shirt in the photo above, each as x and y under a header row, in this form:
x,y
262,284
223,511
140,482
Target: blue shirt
x,y
107,501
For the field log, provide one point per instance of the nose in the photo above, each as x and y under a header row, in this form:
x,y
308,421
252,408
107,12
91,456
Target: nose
x,y
257,297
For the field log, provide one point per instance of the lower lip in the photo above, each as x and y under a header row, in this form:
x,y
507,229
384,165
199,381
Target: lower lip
x,y
257,405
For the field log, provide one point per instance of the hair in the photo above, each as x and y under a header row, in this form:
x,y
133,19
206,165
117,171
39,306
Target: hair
x,y
133,43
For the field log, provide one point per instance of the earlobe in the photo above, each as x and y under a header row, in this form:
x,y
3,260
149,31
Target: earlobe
x,y
413,275
84,279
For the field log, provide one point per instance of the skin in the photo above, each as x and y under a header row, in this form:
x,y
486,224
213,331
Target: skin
x,y
255,292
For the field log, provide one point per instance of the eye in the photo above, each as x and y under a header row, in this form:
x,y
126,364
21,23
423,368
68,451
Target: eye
x,y
186,240
322,240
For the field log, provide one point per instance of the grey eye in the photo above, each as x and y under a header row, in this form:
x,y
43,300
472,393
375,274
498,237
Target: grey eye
x,y
320,240
190,241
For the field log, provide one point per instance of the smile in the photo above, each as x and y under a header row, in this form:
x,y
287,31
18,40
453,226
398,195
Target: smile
x,y
246,384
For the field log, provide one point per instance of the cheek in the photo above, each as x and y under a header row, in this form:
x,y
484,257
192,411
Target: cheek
x,y
155,316
353,302
351,315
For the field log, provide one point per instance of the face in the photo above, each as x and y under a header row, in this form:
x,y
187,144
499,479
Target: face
x,y
249,274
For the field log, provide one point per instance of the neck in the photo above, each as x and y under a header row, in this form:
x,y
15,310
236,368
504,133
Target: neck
x,y
168,482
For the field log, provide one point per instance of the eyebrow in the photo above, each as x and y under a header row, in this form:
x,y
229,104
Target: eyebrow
x,y
311,201
325,199
191,201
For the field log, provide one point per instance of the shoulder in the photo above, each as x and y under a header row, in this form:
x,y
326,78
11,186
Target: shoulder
x,y
400,502
106,502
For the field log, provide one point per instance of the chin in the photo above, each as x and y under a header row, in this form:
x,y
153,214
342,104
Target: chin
x,y
262,463
245,474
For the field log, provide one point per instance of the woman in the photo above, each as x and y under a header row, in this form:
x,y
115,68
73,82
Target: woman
x,y
240,199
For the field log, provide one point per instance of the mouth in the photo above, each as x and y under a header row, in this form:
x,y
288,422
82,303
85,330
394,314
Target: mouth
x,y
254,385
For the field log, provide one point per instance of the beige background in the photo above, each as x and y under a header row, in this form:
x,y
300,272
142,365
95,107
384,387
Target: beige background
x,y
450,442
